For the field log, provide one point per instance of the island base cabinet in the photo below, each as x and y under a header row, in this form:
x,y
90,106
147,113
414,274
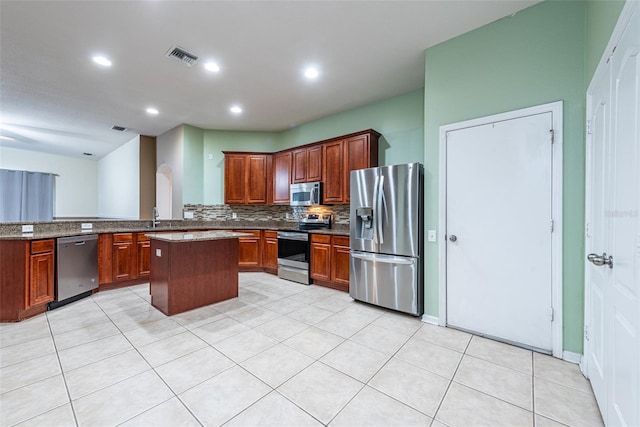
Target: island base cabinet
x,y
188,275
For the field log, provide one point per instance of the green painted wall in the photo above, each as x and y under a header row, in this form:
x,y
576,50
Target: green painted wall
x,y
602,16
214,143
398,119
193,179
532,58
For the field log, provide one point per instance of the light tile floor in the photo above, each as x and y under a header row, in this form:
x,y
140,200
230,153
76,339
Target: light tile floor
x,y
281,354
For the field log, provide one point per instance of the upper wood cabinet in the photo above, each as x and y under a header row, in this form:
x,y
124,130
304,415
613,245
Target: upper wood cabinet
x,y
307,164
333,172
281,177
245,178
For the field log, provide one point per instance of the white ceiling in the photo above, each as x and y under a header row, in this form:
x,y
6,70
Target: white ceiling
x,y
55,99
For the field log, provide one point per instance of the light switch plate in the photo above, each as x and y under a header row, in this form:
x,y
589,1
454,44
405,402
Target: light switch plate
x,y
158,253
27,228
234,215
188,215
431,235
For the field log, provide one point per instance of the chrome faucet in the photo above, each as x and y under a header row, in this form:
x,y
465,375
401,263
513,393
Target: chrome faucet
x,y
155,217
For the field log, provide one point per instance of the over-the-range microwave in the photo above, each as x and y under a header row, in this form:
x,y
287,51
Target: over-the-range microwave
x,y
304,194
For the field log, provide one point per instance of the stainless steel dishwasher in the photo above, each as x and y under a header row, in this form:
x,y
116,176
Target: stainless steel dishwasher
x,y
77,266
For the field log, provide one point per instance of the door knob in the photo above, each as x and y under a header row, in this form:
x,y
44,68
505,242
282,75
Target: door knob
x,y
453,238
599,260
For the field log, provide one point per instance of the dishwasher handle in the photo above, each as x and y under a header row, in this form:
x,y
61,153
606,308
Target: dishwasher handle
x,y
80,243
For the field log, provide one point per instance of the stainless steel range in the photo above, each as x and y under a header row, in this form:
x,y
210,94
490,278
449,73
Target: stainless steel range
x,y
294,249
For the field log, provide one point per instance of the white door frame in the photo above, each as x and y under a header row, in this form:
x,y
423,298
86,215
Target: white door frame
x,y
556,210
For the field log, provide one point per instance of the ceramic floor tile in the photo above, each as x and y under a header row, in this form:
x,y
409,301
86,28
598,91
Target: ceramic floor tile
x,y
314,342
22,332
273,410
565,404
121,401
277,364
169,413
94,351
256,297
400,323
62,323
370,311
439,360
27,350
198,317
546,422
311,295
245,345
32,400
344,323
463,406
31,371
230,305
502,354
321,391
413,386
380,338
153,331
560,372
61,416
168,349
370,408
507,384
334,303
224,396
219,330
284,306
445,337
282,328
126,321
194,368
104,373
355,360
253,316
310,314
84,335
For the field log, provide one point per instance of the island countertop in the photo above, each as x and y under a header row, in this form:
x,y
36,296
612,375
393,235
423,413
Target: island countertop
x,y
196,235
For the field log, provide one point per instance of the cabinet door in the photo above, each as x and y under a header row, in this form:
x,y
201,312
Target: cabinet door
x,y
123,261
256,189
320,267
357,156
281,177
41,278
270,252
249,253
333,172
144,254
234,179
340,265
314,163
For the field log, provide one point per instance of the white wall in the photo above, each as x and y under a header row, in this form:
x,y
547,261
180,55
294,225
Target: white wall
x,y
76,186
118,182
169,152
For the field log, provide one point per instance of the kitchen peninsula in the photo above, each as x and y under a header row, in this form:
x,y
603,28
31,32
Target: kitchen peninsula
x,y
193,269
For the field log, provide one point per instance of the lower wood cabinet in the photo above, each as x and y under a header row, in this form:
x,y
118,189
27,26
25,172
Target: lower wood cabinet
x,y
250,250
270,251
143,255
41,272
330,261
123,259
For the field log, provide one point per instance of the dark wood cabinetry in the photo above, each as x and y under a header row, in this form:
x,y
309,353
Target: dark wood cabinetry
x,y
281,177
143,255
330,261
245,178
250,251
123,259
27,278
333,172
270,251
307,164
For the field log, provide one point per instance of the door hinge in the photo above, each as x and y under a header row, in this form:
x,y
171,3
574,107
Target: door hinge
x,y
552,133
586,332
589,131
552,225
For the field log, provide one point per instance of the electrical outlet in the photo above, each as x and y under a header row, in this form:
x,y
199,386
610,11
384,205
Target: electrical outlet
x,y
431,235
188,215
27,228
86,226
159,253
234,215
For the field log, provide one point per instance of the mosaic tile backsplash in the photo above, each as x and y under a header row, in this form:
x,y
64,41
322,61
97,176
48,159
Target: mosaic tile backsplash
x,y
265,213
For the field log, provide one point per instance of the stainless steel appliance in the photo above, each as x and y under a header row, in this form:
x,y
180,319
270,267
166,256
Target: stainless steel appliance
x,y
77,265
294,249
386,237
305,194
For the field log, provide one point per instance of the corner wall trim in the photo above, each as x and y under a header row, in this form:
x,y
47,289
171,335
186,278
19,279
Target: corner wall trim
x,y
572,357
432,320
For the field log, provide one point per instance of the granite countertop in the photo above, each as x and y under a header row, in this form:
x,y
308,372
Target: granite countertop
x,y
175,237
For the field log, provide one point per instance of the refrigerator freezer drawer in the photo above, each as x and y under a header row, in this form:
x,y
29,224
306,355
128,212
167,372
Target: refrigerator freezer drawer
x,y
387,281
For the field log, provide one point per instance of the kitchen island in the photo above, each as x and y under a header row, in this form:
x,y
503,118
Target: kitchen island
x,y
193,269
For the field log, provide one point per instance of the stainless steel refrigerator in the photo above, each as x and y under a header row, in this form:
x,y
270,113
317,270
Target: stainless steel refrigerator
x,y
386,237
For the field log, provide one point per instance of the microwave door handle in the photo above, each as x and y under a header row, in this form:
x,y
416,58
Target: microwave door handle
x,y
315,196
381,203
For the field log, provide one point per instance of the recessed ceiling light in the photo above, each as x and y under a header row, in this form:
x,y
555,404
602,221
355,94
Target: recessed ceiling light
x,y
236,109
152,111
101,60
212,66
7,138
311,73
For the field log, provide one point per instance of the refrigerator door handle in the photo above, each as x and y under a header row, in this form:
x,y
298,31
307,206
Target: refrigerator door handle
x,y
386,260
376,212
380,201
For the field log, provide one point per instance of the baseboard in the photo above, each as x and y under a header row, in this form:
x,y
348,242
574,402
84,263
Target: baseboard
x,y
433,320
572,357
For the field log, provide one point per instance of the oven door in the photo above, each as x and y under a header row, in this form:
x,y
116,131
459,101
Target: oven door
x,y
293,256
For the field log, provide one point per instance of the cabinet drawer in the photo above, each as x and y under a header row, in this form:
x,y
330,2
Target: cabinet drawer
x,y
256,233
341,241
39,246
268,234
122,237
142,238
320,238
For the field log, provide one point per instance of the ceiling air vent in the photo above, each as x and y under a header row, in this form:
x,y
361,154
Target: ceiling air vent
x,y
118,128
182,55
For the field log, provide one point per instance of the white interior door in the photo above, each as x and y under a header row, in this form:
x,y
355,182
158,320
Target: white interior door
x,y
498,226
612,349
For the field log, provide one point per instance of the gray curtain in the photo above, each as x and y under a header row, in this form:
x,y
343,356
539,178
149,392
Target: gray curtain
x,y
25,196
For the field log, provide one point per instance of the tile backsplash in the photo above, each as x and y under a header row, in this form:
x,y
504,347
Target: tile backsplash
x,y
265,213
